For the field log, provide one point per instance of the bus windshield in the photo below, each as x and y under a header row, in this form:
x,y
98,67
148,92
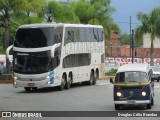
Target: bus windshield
x,y
32,63
131,76
34,37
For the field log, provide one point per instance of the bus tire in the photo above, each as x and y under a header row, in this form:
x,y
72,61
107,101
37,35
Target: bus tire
x,y
61,87
27,89
96,76
69,81
34,88
90,82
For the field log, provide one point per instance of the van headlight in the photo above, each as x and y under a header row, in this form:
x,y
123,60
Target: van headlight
x,y
119,94
143,93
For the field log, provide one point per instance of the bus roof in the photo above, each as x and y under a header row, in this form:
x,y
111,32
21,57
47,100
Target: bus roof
x,y
134,67
57,24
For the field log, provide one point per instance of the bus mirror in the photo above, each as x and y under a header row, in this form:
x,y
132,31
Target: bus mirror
x,y
7,51
111,80
54,48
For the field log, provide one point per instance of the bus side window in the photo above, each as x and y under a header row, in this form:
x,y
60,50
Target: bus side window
x,y
58,35
55,62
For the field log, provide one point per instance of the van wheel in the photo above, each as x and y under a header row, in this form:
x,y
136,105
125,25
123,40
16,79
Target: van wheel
x,y
61,87
27,89
90,82
117,107
152,101
149,106
157,80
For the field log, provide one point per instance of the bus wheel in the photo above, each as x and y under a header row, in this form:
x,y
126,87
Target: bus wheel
x,y
61,87
95,78
34,88
90,82
117,107
27,89
68,83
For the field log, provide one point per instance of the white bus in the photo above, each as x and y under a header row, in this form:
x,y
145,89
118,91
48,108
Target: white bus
x,y
57,54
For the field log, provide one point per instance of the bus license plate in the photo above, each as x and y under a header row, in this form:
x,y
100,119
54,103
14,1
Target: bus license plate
x,y
31,84
131,102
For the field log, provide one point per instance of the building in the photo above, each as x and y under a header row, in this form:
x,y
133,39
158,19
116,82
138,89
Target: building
x,y
113,45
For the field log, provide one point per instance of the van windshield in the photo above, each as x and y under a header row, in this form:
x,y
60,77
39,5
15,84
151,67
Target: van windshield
x,y
131,76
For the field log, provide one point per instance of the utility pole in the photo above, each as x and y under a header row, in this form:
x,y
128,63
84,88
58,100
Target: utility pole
x,y
111,47
132,46
130,36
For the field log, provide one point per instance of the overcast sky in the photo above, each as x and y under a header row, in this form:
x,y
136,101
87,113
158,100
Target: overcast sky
x,y
127,8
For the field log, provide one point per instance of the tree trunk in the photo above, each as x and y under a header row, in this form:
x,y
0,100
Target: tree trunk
x,y
152,53
6,33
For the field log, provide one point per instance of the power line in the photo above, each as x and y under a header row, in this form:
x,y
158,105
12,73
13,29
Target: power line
x,y
129,23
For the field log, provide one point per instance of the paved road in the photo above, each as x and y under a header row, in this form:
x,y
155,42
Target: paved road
x,y
78,98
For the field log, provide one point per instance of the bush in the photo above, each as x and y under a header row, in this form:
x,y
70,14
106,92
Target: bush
x,y
6,77
112,72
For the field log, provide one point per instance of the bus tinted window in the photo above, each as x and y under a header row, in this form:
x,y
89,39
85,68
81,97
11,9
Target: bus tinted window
x,y
58,35
34,37
75,60
83,34
32,63
100,34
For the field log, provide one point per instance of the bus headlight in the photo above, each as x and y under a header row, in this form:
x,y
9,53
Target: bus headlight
x,y
48,82
143,93
119,94
15,78
48,77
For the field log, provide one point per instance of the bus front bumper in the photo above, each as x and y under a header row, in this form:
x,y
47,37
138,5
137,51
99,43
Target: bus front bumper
x,y
42,83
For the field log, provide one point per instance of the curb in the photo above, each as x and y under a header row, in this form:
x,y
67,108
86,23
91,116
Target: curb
x,y
10,81
107,77
5,81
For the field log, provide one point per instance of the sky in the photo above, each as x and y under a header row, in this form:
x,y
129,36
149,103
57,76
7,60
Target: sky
x,y
127,8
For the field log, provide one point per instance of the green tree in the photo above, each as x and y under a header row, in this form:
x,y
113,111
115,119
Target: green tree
x,y
59,12
125,39
83,10
6,7
96,12
28,11
150,24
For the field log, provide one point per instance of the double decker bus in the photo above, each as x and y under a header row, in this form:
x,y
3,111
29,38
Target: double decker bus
x,y
57,54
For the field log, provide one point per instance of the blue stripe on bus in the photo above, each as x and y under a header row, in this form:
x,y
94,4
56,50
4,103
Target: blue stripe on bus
x,y
51,77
